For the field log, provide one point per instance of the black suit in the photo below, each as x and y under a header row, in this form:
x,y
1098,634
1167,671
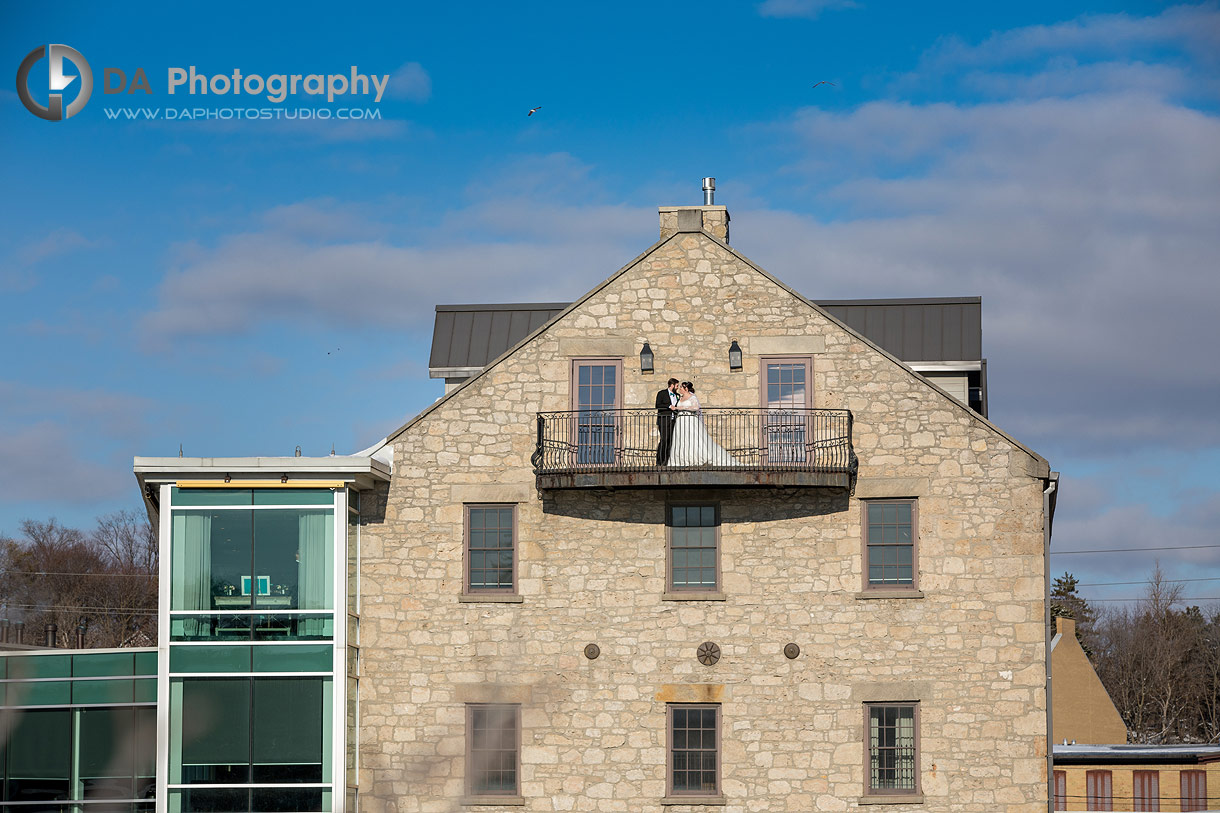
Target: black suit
x,y
665,425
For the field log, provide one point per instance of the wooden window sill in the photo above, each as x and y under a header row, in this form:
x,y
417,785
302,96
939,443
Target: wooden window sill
x,y
865,595
491,801
693,800
895,799
692,595
495,598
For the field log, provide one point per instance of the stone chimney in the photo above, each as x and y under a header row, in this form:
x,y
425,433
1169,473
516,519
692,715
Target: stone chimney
x,y
1065,626
707,218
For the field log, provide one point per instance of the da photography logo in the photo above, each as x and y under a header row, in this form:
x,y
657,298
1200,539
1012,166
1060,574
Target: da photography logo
x,y
54,110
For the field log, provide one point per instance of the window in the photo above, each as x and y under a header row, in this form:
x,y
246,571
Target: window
x,y
1061,790
694,547
1098,787
893,753
596,397
694,750
493,746
786,396
889,544
1146,787
491,549
244,562
269,735
1194,790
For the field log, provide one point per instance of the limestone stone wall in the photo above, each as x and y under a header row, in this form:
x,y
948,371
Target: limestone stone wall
x,y
592,570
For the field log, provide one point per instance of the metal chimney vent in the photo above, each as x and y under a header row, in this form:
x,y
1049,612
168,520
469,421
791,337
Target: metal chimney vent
x,y
709,191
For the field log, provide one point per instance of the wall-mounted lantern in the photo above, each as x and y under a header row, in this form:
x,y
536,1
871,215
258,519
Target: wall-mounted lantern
x,y
646,359
734,356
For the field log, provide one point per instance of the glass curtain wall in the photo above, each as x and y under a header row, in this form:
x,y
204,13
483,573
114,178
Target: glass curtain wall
x,y
77,732
252,649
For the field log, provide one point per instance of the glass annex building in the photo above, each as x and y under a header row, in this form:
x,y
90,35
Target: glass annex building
x,y
251,700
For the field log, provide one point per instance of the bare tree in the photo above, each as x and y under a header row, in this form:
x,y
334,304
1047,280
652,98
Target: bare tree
x,y
1154,660
103,583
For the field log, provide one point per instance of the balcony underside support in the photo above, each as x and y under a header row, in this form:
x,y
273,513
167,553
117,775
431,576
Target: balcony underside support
x,y
689,477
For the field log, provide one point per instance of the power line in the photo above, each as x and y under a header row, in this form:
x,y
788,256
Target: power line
x,y
1145,581
74,608
1136,550
1142,598
64,573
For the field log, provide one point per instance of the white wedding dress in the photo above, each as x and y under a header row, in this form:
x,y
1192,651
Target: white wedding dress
x,y
692,445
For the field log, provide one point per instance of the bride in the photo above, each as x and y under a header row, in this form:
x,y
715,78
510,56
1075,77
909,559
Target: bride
x,y
692,445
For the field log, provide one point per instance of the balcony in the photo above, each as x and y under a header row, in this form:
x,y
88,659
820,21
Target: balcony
x,y
724,447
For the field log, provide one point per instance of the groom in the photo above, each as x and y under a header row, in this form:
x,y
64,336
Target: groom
x,y
666,398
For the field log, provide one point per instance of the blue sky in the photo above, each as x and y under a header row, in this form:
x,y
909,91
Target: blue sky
x,y
242,288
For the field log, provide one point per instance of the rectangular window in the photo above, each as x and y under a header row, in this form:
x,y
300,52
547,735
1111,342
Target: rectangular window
x,y
893,754
493,749
694,750
1098,787
259,558
694,547
1061,790
596,397
889,544
1194,790
786,396
1146,788
491,549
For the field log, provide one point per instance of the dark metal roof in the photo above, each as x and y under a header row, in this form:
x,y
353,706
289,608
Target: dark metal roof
x,y
914,330
1140,754
475,335
939,329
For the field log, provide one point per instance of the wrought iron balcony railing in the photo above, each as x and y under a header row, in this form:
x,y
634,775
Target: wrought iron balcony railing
x,y
726,440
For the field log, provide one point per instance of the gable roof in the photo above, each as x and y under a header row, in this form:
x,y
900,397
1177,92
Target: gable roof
x,y
1043,465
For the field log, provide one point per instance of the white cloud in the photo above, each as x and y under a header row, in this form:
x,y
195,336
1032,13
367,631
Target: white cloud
x,y
44,432
1087,224
59,241
1196,27
319,261
809,9
410,82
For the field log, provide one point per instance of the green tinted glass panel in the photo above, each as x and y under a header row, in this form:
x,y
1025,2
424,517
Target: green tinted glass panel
x,y
40,755
198,800
101,691
288,730
293,627
215,731
146,751
294,496
211,496
41,666
306,658
107,752
294,559
55,693
210,560
146,663
103,664
146,691
209,659
3,668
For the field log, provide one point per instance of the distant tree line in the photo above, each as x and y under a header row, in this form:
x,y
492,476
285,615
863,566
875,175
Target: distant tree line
x,y
102,583
1158,659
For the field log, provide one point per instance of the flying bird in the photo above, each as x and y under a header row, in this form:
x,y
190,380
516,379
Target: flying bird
x,y
824,82
533,111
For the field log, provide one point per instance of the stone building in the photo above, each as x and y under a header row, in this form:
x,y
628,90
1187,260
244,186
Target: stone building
x,y
536,634
826,590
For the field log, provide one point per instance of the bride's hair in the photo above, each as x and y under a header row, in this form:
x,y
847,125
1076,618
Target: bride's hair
x,y
688,385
